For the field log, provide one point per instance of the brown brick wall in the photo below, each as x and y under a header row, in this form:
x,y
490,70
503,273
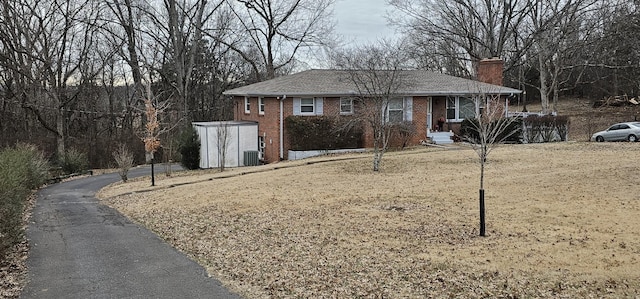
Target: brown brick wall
x,y
420,107
490,71
269,123
331,106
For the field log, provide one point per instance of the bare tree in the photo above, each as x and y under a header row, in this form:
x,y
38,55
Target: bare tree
x,y
222,145
555,31
152,129
126,14
606,56
48,42
376,71
489,128
124,160
543,38
218,69
463,30
184,29
271,34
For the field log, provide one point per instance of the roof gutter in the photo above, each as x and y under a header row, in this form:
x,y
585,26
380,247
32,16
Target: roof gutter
x,y
504,91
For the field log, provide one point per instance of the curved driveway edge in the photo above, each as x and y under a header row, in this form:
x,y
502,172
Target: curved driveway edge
x,y
80,248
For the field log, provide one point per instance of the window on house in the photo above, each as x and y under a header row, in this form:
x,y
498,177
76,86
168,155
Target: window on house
x,y
261,105
451,108
247,106
395,110
307,105
467,108
346,106
460,108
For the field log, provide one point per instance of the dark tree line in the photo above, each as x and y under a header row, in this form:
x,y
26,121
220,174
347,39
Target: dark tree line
x,y
73,73
550,47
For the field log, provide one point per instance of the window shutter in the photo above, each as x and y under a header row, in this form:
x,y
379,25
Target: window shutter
x,y
408,109
296,106
318,108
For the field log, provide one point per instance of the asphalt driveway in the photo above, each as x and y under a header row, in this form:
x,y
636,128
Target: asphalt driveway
x,y
80,248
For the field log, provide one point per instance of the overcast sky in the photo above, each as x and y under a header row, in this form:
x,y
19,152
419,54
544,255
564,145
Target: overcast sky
x,y
362,21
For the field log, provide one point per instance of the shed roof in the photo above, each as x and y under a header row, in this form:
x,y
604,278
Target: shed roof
x,y
318,82
230,123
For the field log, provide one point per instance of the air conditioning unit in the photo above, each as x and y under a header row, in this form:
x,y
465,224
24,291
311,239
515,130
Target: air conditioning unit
x,y
251,158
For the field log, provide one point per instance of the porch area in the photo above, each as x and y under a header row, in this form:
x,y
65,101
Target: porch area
x,y
440,137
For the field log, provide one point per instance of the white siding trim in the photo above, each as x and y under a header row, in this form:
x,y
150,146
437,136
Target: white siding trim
x,y
318,110
408,109
261,105
296,106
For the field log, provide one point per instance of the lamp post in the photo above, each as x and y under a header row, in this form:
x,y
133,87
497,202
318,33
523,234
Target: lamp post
x,y
151,141
149,159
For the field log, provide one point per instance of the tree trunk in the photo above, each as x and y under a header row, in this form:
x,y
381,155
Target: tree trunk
x,y
482,214
544,94
377,156
60,136
483,160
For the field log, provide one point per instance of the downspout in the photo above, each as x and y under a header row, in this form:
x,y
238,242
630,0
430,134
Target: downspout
x,y
282,126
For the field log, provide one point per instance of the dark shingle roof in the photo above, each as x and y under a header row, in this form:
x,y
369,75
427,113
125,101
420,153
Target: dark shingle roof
x,y
337,83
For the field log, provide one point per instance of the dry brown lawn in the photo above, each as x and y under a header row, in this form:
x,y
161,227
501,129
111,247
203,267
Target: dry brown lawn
x,y
562,222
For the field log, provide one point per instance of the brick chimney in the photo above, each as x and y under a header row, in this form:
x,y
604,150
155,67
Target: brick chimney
x,y
490,70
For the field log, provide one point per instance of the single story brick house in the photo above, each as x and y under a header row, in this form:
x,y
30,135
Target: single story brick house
x,y
330,92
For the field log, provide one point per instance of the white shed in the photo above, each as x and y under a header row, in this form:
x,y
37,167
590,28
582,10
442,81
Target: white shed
x,y
240,137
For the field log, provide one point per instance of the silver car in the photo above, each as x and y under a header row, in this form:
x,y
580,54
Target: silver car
x,y
629,131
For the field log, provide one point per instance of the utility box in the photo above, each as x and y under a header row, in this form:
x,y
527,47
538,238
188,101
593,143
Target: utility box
x,y
233,138
251,158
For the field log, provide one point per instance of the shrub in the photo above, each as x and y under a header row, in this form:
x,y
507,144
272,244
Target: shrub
x,y
74,161
37,166
405,131
21,169
189,148
124,160
323,133
512,134
546,128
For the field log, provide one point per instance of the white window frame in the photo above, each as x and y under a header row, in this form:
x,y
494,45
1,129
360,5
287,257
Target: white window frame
x,y
247,105
312,105
407,109
472,101
317,107
261,105
349,103
457,107
391,109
